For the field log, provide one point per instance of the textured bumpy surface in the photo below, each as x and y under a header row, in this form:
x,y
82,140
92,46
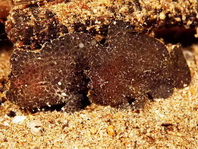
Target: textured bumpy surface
x,y
128,68
135,67
51,76
141,68
31,23
37,26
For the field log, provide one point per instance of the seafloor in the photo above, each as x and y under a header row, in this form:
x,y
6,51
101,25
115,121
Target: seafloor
x,y
165,123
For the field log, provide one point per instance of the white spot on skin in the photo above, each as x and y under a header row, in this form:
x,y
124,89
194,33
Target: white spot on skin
x,y
63,94
59,83
81,45
48,104
93,42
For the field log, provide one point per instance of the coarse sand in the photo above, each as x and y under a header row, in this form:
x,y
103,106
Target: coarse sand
x,y
165,123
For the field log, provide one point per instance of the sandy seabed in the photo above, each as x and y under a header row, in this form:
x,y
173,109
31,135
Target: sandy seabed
x,y
165,123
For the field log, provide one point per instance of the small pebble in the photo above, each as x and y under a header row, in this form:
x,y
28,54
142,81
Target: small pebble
x,y
18,119
110,130
35,127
